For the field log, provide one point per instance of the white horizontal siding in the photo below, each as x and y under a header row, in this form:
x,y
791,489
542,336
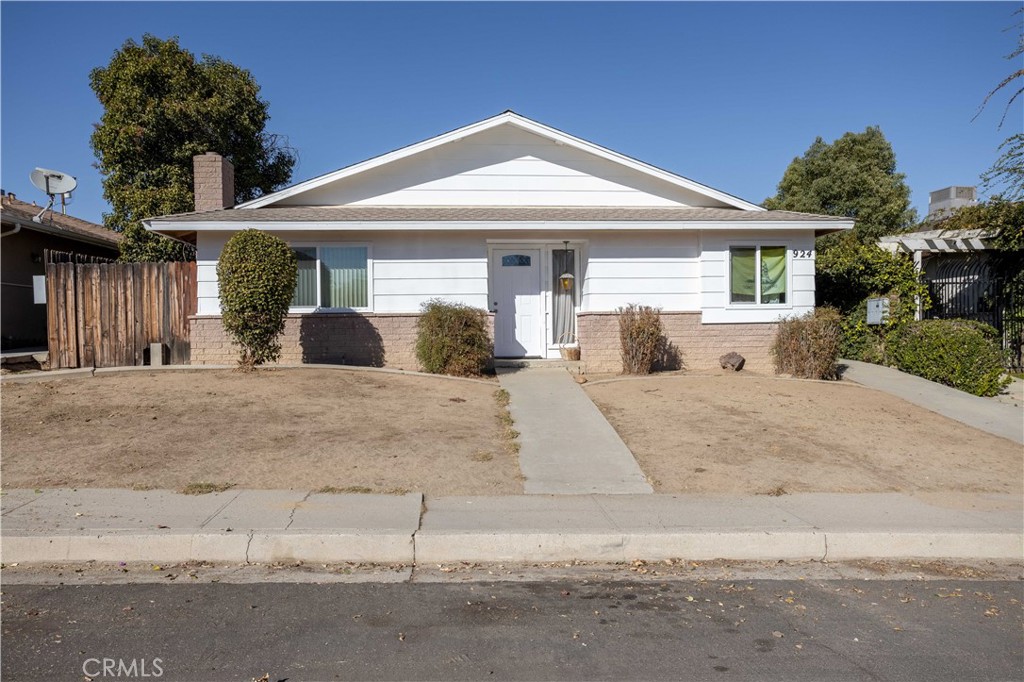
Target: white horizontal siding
x,y
505,166
411,303
415,269
208,248
667,302
714,270
656,269
676,271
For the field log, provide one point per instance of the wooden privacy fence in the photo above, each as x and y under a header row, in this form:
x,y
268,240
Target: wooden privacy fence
x,y
107,315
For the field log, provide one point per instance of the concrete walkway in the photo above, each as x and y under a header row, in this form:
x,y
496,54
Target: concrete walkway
x,y
1001,419
268,526
567,446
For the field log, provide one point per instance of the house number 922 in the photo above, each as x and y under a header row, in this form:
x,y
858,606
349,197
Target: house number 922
x,y
803,254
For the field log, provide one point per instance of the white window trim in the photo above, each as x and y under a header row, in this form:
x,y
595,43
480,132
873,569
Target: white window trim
x,y
369,277
756,303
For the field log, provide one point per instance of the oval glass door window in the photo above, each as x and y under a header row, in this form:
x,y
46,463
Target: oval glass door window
x,y
515,260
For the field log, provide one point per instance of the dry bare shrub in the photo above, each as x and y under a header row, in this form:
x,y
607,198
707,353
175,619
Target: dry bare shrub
x,y
452,338
641,336
808,346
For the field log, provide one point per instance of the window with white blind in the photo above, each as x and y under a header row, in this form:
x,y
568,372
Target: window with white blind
x,y
332,278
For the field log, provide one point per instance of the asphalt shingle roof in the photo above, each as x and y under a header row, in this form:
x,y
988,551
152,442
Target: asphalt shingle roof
x,y
16,210
488,214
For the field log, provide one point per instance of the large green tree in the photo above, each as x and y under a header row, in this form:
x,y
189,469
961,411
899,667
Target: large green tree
x,y
162,106
855,176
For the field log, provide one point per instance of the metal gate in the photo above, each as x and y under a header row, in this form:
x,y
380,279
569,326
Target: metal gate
x,y
963,287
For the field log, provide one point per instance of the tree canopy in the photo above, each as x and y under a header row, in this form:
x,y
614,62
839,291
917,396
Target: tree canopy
x,y
162,106
855,176
1007,173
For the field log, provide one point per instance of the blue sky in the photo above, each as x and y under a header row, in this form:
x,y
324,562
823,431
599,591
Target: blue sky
x,y
724,93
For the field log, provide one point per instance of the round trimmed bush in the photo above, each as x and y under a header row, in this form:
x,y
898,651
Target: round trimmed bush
x,y
257,273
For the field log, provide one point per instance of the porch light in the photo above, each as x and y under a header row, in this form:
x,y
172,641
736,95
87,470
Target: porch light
x,y
566,278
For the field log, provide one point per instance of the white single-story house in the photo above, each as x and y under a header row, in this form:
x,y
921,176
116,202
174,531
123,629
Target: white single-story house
x,y
498,215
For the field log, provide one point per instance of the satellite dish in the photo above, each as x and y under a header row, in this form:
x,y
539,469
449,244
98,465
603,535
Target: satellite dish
x,y
53,182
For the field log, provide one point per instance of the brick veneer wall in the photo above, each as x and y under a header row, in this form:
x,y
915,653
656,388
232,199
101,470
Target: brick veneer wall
x,y
692,345
377,340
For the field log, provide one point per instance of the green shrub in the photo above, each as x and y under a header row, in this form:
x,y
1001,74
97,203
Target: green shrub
x,y
848,274
256,273
641,336
452,338
808,346
963,354
861,341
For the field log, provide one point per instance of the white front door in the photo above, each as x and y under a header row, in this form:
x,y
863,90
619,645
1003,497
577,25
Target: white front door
x,y
517,303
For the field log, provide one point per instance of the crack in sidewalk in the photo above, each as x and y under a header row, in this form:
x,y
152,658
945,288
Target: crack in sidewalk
x,y
291,516
412,539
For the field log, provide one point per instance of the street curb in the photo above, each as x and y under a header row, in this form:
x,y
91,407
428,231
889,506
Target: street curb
x,y
48,375
236,547
444,546
432,547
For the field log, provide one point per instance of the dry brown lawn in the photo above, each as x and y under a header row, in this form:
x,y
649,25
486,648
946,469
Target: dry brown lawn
x,y
739,433
302,428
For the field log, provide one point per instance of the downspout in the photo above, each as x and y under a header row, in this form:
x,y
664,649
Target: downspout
x,y
16,230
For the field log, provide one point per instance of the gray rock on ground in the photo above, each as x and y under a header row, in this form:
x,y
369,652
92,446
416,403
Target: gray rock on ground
x,y
733,361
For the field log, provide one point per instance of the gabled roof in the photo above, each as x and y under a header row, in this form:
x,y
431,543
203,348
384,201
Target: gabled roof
x,y
506,118
16,212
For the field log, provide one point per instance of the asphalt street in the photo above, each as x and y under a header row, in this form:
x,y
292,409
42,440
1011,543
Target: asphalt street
x,y
943,629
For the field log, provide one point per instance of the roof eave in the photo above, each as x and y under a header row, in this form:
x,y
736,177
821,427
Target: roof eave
x,y
44,228
170,226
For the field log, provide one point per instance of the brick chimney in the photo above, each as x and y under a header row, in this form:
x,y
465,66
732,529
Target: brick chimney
x,y
214,182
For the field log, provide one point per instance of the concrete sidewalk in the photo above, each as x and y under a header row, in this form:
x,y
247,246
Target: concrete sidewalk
x,y
1001,419
265,526
567,446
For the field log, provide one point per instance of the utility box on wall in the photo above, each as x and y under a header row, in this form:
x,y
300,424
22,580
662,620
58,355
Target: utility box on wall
x,y
878,311
39,289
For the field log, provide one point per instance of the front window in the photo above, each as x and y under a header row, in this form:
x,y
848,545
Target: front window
x,y
332,277
757,274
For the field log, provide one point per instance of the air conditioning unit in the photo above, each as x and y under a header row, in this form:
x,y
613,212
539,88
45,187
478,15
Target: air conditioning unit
x,y
945,200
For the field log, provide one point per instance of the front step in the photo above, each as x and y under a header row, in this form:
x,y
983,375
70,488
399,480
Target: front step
x,y
575,366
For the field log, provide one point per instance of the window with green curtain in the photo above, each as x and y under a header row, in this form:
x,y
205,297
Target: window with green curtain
x,y
305,287
757,274
743,288
773,274
343,277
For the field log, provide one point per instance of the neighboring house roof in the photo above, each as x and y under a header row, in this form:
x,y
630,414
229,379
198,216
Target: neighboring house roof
x,y
939,241
506,118
20,213
345,214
